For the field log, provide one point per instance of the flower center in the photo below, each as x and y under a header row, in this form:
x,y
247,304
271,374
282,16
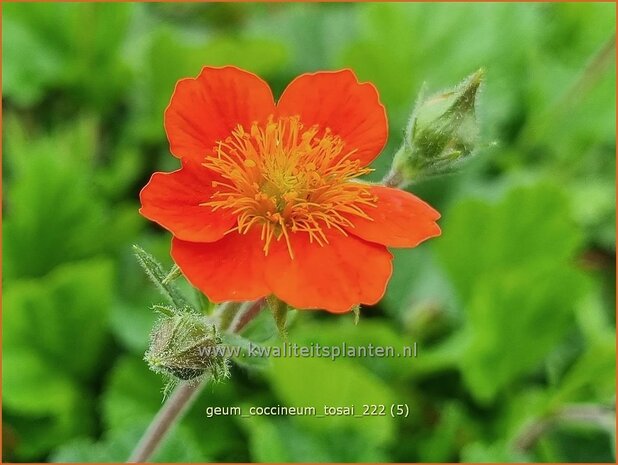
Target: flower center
x,y
284,178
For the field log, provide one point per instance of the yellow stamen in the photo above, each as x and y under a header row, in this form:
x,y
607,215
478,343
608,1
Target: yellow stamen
x,y
285,178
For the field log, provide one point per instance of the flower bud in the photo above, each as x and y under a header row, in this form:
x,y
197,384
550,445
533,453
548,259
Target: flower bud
x,y
442,131
186,346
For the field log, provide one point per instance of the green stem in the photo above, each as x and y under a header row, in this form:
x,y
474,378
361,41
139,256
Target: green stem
x,y
169,414
225,314
247,312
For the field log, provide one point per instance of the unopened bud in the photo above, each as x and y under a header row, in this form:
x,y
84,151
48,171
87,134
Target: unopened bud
x,y
442,131
186,346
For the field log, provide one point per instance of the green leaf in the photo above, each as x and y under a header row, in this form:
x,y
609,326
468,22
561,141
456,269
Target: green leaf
x,y
118,445
70,304
125,166
479,452
525,407
514,320
369,331
27,377
131,323
416,278
529,228
315,36
277,441
593,376
39,402
53,214
454,427
511,264
316,382
47,56
133,393
578,443
27,69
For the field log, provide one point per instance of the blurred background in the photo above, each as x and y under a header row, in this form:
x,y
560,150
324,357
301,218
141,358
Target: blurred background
x,y
512,307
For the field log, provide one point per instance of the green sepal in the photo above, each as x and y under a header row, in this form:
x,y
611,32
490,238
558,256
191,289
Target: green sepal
x,y
173,274
165,310
356,311
279,311
160,278
225,313
187,346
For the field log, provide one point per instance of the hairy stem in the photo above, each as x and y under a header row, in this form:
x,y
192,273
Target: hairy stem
x,y
183,396
225,314
246,313
171,411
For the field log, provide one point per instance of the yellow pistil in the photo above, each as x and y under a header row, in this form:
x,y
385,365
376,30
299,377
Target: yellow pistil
x,y
287,179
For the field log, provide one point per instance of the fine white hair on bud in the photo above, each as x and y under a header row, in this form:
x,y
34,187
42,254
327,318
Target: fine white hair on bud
x,y
442,131
186,346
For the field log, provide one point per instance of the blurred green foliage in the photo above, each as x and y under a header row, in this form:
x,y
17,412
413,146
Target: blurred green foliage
x,y
512,307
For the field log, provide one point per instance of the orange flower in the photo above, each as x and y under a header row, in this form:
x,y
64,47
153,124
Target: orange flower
x,y
267,200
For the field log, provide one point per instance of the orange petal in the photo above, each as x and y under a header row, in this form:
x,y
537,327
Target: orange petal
x,y
336,100
173,200
345,272
206,109
230,269
400,219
